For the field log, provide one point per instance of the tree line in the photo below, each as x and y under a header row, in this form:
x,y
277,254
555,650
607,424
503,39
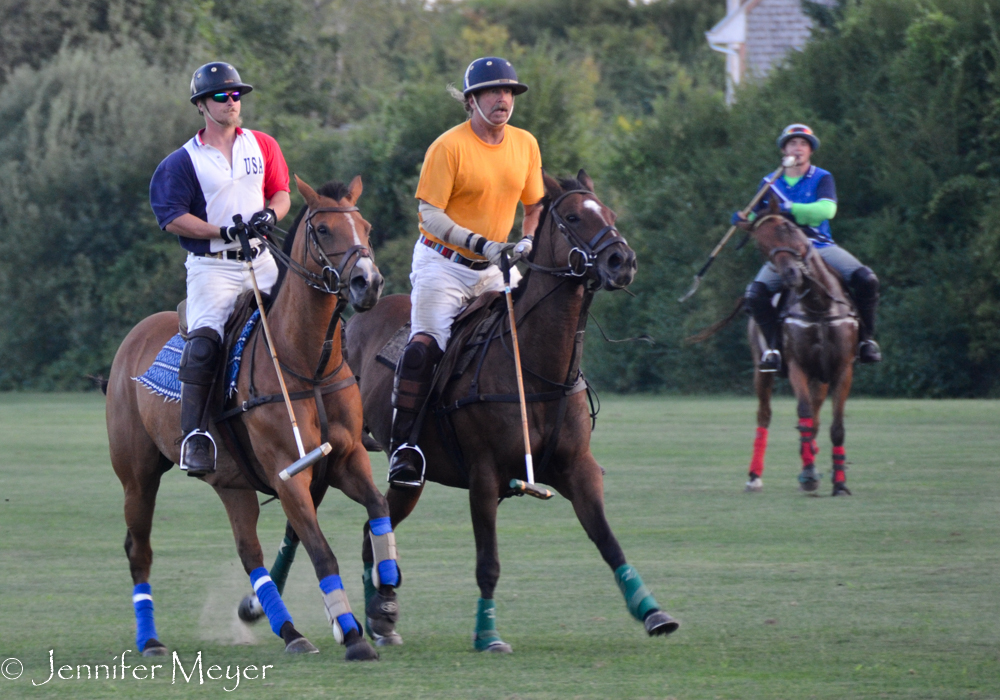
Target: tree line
x,y
903,94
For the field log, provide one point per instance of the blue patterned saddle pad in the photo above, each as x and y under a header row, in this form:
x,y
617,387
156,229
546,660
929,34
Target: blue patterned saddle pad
x,y
161,377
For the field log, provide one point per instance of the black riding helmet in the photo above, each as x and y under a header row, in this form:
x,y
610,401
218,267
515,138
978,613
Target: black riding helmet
x,y
216,77
491,71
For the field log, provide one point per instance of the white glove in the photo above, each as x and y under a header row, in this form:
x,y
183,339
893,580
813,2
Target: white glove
x,y
492,251
521,250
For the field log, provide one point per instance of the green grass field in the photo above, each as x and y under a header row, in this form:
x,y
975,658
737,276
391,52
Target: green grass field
x,y
892,593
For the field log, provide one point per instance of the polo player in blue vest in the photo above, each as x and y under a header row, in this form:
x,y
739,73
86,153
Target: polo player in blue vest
x,y
808,196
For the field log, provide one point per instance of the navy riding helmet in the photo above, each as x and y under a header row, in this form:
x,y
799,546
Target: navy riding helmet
x,y
491,71
800,130
216,77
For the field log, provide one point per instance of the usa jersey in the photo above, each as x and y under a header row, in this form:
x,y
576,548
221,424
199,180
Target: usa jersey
x,y
197,179
816,185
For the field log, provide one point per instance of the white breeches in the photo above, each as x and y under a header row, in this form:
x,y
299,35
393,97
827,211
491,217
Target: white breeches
x,y
213,285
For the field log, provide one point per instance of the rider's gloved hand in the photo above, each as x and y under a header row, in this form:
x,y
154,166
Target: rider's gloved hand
x,y
228,234
785,207
263,221
737,218
522,250
493,250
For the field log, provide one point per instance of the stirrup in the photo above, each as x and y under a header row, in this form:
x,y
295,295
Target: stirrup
x,y
198,471
873,355
423,467
770,361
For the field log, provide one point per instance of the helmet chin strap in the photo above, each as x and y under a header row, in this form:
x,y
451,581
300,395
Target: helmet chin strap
x,y
208,113
510,112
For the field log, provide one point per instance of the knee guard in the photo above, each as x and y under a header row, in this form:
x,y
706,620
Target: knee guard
x,y
758,301
864,285
385,570
338,610
199,360
414,372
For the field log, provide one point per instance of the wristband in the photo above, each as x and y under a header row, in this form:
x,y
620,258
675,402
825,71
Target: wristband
x,y
224,233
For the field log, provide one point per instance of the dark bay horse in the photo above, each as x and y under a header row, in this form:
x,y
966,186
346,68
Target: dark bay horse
x,y
819,334
577,252
329,265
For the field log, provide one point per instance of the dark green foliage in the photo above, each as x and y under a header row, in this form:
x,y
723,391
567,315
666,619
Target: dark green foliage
x,y
903,94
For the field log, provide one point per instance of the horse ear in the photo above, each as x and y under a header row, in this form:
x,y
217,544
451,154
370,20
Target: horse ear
x,y
585,180
552,187
773,206
307,192
355,189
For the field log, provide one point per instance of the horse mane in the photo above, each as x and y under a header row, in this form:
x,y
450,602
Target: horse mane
x,y
567,184
334,189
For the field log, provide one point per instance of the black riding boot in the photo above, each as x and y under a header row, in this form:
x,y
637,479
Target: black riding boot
x,y
412,384
199,367
864,286
758,300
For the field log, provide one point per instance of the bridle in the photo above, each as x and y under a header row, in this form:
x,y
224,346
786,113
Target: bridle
x,y
583,254
330,279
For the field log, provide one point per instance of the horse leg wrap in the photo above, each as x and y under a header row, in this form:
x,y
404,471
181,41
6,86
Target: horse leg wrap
x,y
638,598
839,465
145,626
338,610
486,625
759,448
283,562
386,569
270,599
807,442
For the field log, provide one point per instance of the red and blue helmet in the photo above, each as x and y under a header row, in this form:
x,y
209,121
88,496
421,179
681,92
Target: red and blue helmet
x,y
801,131
216,77
489,72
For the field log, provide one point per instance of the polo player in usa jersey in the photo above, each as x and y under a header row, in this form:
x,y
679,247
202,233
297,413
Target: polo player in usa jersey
x,y
471,180
808,195
195,192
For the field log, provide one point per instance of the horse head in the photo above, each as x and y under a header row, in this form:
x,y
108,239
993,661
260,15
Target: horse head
x,y
335,249
577,236
781,242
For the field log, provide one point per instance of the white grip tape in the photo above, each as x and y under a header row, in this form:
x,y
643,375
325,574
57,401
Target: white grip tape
x,y
383,548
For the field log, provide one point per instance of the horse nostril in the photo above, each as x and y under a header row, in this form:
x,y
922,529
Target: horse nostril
x,y
359,283
615,261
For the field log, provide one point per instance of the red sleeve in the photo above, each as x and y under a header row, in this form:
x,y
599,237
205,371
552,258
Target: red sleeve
x,y
275,168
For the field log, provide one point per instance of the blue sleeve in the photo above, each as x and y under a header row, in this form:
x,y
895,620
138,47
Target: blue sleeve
x,y
826,189
175,190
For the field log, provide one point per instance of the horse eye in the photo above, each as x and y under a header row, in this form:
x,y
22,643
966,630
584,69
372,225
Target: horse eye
x,y
323,230
573,218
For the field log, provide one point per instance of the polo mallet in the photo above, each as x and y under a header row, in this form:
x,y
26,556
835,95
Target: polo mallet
x,y
521,487
304,460
786,162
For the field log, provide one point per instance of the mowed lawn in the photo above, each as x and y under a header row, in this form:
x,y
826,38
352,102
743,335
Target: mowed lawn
x,y
891,593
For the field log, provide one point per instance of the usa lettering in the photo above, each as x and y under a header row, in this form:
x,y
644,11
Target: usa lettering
x,y
254,165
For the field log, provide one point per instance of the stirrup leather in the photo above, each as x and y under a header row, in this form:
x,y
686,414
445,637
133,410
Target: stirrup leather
x,y
215,449
423,466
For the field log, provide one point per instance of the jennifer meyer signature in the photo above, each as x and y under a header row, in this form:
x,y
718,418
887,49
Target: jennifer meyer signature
x,y
12,669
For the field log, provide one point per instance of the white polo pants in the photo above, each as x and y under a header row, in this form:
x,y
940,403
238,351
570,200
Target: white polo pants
x,y
214,284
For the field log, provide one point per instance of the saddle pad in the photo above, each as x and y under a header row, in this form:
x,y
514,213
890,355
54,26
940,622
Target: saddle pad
x,y
161,377
391,351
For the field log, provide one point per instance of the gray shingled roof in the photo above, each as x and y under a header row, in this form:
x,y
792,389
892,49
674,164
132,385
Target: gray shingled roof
x,y
773,28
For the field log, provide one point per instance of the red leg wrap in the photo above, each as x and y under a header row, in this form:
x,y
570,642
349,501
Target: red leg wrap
x,y
759,447
838,465
807,443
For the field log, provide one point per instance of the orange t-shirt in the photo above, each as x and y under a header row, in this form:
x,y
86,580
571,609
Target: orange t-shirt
x,y
477,184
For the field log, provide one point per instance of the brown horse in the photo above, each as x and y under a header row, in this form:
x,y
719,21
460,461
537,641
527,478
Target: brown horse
x,y
328,264
577,252
819,334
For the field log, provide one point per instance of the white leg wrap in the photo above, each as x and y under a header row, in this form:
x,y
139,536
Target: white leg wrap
x,y
383,548
336,605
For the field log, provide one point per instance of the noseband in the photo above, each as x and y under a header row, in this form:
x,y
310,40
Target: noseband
x,y
583,254
330,279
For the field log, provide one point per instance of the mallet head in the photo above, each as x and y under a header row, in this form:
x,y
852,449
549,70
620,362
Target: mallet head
x,y
304,462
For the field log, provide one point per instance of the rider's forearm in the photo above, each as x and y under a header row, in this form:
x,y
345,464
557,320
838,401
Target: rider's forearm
x,y
190,226
280,203
441,226
814,213
531,216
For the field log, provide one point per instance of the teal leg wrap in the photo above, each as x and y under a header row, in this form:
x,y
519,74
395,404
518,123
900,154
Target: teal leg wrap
x,y
638,598
283,563
370,591
486,624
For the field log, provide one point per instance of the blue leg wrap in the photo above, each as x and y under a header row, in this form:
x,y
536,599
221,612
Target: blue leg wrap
x,y
388,569
270,599
346,620
145,626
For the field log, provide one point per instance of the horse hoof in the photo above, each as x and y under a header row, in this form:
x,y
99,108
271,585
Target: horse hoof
x,y
361,651
755,485
659,623
388,640
300,645
841,490
250,609
154,647
808,480
497,646
382,612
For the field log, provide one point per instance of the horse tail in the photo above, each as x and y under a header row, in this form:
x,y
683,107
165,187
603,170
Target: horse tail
x,y
100,381
708,332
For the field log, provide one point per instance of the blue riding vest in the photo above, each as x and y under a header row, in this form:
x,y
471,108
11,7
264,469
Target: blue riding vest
x,y
815,185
